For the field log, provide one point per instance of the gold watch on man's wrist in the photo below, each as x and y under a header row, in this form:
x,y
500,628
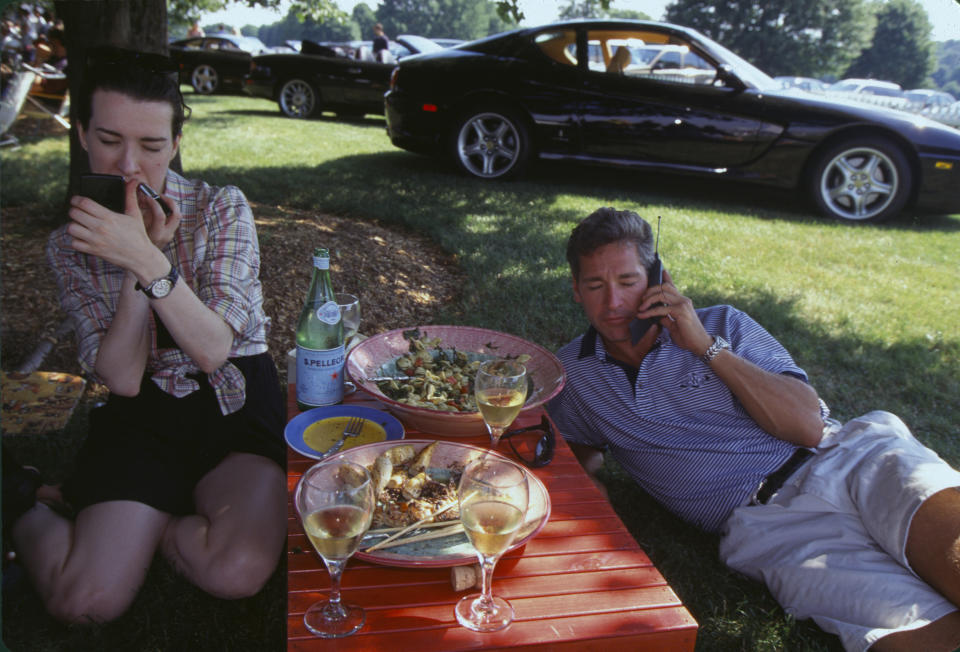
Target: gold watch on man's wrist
x,y
161,287
719,344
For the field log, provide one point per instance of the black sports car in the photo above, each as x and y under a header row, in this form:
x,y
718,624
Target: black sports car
x,y
215,63
658,96
344,77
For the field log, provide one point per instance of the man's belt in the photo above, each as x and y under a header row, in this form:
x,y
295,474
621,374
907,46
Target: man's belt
x,y
772,483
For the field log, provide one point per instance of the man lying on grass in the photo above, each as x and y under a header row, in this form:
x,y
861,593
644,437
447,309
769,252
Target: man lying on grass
x,y
855,525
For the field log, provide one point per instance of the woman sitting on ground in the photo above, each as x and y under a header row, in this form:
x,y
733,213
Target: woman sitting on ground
x,y
187,454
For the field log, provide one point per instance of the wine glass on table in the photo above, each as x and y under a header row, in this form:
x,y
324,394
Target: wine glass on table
x,y
350,314
335,501
500,388
493,497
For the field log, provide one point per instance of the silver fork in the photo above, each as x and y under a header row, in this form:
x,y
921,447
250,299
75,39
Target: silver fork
x,y
352,429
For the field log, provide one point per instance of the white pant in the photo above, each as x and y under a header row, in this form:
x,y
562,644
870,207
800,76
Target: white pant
x,y
830,545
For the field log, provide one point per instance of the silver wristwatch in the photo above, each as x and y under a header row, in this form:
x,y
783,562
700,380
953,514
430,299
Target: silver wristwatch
x,y
162,286
719,344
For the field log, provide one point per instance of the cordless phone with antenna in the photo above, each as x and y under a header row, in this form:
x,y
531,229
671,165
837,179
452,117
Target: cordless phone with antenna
x,y
638,327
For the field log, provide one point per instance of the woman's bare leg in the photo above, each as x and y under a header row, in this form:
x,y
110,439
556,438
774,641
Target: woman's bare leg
x,y
232,545
89,570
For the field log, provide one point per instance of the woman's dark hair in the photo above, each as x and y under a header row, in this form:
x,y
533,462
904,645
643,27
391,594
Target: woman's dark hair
x,y
607,225
140,75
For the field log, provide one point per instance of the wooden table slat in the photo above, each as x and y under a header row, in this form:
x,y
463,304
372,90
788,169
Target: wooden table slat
x,y
656,630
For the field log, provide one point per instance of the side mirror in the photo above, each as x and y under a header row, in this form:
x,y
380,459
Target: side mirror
x,y
726,77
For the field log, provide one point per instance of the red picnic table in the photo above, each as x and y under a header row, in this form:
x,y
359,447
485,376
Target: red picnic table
x,y
581,583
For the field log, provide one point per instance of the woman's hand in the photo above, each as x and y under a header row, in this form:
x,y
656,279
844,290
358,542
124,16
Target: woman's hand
x,y
160,227
125,239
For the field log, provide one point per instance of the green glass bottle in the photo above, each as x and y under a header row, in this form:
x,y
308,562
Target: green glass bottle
x,y
320,350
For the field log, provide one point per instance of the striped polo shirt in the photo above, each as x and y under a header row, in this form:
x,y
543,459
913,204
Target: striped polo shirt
x,y
672,423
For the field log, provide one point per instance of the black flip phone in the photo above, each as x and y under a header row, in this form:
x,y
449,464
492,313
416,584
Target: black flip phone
x,y
105,189
638,327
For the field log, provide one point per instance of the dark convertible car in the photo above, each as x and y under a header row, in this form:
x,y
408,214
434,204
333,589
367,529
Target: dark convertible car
x,y
216,62
345,78
657,96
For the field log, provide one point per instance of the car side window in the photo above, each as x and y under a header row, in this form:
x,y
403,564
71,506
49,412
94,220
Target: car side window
x,y
647,55
560,46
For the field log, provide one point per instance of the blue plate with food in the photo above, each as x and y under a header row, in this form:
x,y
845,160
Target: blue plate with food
x,y
313,432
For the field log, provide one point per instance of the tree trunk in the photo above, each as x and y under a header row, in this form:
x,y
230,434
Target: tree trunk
x,y
132,24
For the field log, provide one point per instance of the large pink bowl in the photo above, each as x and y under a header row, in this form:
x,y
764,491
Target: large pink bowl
x,y
367,358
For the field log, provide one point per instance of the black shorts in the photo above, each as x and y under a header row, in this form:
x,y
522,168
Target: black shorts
x,y
154,448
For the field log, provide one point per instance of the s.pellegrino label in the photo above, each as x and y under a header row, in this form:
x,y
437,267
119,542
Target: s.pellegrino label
x,y
320,347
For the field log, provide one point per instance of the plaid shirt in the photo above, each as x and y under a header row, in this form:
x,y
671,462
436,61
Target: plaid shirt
x,y
215,249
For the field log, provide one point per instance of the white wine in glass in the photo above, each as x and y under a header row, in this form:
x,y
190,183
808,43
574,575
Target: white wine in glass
x,y
500,388
335,501
493,495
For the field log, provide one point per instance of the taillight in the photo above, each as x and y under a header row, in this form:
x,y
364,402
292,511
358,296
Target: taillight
x,y
393,78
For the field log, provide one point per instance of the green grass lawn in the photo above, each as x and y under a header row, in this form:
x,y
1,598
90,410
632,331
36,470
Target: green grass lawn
x,y
871,312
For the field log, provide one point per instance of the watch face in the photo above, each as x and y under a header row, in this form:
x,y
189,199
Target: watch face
x,y
161,288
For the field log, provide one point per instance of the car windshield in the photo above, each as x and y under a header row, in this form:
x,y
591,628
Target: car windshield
x,y
251,44
745,70
418,43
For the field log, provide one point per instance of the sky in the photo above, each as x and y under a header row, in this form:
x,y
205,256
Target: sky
x,y
944,14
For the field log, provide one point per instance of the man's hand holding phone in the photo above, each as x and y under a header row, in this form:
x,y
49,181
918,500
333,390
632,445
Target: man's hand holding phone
x,y
686,329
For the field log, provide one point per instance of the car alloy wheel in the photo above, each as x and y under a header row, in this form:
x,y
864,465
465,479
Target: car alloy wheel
x,y
862,180
297,99
204,79
491,144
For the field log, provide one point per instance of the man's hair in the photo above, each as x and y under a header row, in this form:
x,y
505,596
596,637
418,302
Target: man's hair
x,y
140,75
607,225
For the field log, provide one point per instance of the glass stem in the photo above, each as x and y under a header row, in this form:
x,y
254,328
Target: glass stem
x,y
495,434
487,565
335,568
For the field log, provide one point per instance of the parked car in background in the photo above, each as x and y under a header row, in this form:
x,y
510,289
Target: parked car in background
x,y
867,86
216,62
494,104
926,97
806,83
340,77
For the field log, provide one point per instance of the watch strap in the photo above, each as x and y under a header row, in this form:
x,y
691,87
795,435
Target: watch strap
x,y
719,344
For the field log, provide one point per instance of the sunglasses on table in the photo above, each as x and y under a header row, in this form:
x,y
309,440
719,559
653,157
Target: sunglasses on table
x,y
533,445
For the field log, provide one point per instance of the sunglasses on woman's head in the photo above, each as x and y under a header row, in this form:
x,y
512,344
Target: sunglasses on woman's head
x,y
534,445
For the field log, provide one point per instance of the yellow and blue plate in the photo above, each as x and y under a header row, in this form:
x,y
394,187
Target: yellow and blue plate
x,y
311,433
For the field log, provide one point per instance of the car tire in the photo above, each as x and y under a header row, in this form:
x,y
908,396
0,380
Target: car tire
x,y
298,99
490,143
204,79
862,179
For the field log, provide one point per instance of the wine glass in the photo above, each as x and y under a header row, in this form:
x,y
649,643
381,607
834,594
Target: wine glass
x,y
335,501
493,496
350,313
500,389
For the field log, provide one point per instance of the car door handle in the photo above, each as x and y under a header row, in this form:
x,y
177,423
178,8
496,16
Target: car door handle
x,y
354,71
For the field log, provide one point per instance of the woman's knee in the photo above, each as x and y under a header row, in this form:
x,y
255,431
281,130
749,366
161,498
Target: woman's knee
x,y
89,603
239,572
